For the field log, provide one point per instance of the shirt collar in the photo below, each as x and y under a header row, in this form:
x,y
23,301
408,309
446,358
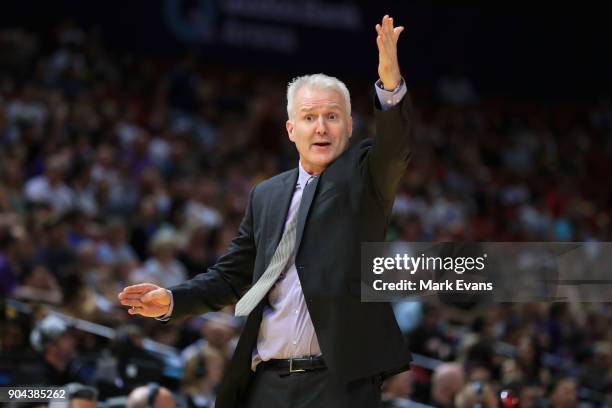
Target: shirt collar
x,y
303,176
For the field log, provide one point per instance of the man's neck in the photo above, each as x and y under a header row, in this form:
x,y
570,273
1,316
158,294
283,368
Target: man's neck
x,y
310,170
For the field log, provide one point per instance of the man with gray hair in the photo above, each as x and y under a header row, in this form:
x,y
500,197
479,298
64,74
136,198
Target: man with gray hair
x,y
294,267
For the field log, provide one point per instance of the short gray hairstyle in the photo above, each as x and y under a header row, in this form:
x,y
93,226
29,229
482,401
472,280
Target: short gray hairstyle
x,y
317,81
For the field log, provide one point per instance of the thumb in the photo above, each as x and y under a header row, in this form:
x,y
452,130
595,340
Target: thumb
x,y
397,31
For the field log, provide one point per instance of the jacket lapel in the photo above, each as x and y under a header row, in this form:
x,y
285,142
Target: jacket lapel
x,y
307,197
280,199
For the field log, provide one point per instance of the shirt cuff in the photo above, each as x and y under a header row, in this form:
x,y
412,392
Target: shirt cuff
x,y
389,99
167,316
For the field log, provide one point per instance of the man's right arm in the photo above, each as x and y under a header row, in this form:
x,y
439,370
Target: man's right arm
x,y
389,156
225,282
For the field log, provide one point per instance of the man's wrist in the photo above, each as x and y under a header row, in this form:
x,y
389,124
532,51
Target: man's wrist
x,y
168,315
391,80
391,87
389,99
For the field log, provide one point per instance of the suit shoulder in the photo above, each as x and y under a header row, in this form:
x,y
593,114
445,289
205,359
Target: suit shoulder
x,y
356,149
365,144
264,186
362,148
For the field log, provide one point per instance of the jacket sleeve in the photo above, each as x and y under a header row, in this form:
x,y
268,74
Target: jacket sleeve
x,y
390,153
225,282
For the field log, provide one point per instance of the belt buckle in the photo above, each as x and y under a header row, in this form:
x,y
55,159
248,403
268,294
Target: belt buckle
x,y
291,370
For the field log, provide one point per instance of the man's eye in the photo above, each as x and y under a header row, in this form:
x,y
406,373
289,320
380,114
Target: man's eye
x,y
308,118
333,116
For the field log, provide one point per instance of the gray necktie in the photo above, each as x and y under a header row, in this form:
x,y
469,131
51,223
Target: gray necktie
x,y
281,256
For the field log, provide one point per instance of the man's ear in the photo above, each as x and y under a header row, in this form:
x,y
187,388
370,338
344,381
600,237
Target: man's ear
x,y
289,126
350,126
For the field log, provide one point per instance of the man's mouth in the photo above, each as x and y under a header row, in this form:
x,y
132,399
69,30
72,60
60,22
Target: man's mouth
x,y
322,144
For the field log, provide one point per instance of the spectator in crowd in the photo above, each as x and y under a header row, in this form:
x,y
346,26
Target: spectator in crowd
x,y
78,396
37,283
476,394
53,339
531,396
144,226
447,380
202,375
199,211
151,396
217,331
50,187
428,338
163,268
14,335
528,356
135,364
55,252
196,254
564,393
115,247
396,392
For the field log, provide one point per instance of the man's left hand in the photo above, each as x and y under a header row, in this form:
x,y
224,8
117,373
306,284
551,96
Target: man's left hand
x,y
388,67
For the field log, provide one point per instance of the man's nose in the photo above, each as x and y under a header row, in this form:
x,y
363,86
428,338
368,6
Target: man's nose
x,y
321,126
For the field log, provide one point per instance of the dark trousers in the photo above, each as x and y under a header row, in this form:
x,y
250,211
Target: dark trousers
x,y
312,389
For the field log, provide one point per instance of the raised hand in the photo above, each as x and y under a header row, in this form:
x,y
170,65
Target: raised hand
x,y
388,67
145,299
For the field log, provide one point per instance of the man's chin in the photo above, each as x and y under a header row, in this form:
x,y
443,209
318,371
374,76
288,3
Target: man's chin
x,y
322,164
318,162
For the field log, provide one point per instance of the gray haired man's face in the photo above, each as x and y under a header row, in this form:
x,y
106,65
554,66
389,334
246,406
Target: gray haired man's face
x,y
320,127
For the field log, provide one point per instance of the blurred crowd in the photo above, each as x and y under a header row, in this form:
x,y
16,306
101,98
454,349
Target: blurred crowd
x,y
116,169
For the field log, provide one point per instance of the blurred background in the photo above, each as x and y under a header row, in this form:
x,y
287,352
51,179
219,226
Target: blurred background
x,y
132,132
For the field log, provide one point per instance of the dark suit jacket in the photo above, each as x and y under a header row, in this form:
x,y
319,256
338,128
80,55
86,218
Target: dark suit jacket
x,y
350,204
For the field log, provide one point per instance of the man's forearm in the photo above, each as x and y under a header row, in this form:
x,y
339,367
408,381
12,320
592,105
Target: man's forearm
x,y
223,283
207,292
388,159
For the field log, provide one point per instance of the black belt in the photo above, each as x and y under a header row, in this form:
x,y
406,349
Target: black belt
x,y
293,365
